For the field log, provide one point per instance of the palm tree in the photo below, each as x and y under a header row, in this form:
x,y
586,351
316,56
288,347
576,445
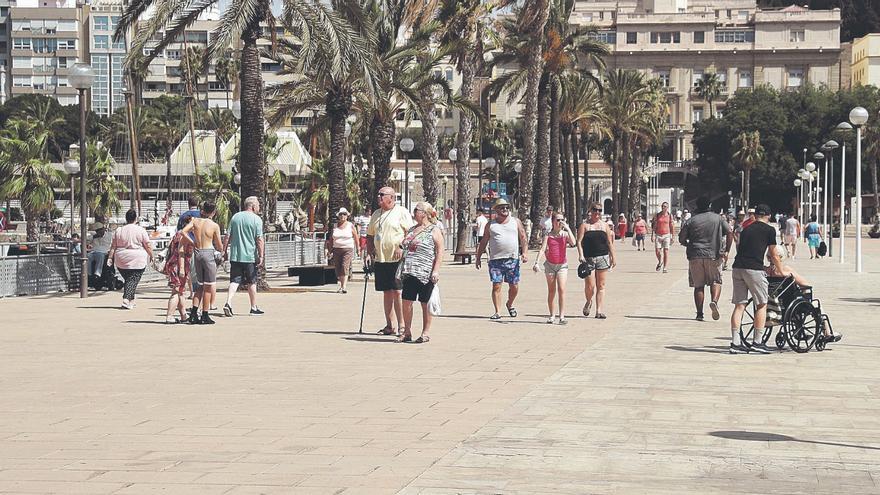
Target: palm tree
x,y
192,68
579,110
217,185
872,153
709,88
226,69
326,71
44,119
103,188
31,177
748,152
167,132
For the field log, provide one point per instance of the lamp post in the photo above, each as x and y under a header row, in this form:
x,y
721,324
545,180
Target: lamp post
x,y
237,180
81,76
830,146
843,126
71,167
798,184
517,167
406,145
820,212
811,167
492,164
858,117
453,155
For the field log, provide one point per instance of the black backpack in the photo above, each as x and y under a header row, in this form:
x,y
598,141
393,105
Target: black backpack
x,y
823,249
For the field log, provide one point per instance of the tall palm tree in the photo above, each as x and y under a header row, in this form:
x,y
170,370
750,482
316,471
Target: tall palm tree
x,y
167,132
217,185
709,88
872,153
31,177
103,189
40,114
579,111
226,69
326,71
192,69
747,152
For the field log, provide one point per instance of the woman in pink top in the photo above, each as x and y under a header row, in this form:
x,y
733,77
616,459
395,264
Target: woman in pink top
x,y
555,243
130,251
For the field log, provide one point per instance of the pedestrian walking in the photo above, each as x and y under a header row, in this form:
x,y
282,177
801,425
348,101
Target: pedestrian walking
x,y
595,244
621,227
506,243
547,221
362,221
708,239
554,247
246,252
342,245
130,251
422,253
790,234
813,235
750,277
640,230
207,253
662,230
177,269
388,226
482,221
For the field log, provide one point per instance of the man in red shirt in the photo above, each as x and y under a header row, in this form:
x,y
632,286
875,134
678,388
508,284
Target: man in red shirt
x,y
662,232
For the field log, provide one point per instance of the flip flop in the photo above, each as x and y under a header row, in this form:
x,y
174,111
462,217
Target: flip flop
x,y
496,316
386,331
404,338
424,339
601,316
511,311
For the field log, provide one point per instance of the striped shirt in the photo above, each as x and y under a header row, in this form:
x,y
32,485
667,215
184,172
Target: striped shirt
x,y
418,253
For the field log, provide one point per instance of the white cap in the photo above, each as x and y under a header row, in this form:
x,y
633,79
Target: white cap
x,y
342,211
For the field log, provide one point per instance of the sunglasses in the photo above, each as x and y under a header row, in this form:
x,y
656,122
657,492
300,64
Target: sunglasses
x,y
383,194
558,219
418,209
597,210
503,208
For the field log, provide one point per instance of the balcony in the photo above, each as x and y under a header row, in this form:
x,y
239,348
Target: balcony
x,y
678,127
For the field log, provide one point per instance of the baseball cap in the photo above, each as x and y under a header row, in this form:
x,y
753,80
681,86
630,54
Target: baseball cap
x,y
761,210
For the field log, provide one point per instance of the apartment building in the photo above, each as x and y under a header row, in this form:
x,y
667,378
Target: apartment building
x,y
865,68
678,41
45,41
107,57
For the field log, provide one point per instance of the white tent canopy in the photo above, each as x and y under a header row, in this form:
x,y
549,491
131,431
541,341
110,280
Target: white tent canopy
x,y
292,157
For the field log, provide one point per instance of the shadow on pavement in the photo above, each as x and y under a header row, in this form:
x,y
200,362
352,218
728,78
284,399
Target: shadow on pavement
x,y
643,317
102,307
370,339
758,436
865,300
711,349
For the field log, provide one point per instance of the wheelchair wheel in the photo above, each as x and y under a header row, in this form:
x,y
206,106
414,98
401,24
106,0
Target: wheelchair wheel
x,y
802,325
747,326
780,338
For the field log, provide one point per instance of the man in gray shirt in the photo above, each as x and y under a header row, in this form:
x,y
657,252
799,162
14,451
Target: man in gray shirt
x,y
703,234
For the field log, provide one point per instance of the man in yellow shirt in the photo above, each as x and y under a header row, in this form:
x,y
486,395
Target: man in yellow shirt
x,y
388,226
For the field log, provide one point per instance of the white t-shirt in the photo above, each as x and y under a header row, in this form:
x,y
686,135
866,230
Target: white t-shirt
x,y
547,224
481,225
791,226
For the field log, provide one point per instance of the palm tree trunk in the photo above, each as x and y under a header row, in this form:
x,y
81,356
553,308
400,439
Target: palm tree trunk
x,y
337,108
565,148
555,193
542,168
168,201
635,179
747,172
578,207
253,160
33,226
430,153
615,178
876,192
586,152
469,67
382,147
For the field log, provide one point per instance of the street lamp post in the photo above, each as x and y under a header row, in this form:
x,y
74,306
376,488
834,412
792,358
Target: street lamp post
x,y
492,164
858,117
453,156
811,167
81,76
831,145
843,126
406,145
820,212
71,166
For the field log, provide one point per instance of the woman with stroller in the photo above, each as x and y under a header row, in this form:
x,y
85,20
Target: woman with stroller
x,y
813,234
555,243
130,251
422,253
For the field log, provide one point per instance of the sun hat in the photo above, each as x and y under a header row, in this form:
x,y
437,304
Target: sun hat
x,y
500,202
98,226
342,211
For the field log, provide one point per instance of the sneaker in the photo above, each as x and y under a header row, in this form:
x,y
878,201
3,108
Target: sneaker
x,y
172,320
761,348
563,321
206,319
830,339
699,317
126,305
714,307
551,320
738,349
495,317
227,310
257,312
665,270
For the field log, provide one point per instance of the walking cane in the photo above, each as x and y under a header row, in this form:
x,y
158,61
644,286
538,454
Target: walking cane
x,y
368,269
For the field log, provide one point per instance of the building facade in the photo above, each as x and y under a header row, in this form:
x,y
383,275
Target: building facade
x,y
677,41
865,68
106,56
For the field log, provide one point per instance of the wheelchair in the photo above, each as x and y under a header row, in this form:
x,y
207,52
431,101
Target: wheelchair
x,y
794,312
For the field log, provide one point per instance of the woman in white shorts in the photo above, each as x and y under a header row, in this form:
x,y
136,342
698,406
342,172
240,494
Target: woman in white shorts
x,y
554,247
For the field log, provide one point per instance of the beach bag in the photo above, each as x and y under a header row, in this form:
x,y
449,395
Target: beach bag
x,y
823,249
434,302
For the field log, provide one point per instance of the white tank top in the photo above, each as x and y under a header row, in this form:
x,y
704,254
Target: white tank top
x,y
343,237
503,239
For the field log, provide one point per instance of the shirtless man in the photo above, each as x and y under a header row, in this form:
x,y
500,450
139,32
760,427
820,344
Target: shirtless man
x,y
207,243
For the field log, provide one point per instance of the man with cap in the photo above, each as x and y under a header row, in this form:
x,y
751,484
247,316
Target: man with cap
x,y
750,278
703,235
505,239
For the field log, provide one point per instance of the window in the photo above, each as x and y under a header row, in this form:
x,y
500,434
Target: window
x,y
102,23
699,36
745,79
795,77
449,75
609,37
663,76
102,41
742,16
738,36
796,35
696,77
722,78
119,45
22,62
44,45
172,54
114,22
697,114
67,26
69,44
216,86
21,25
270,66
21,81
21,43
62,82
631,38
666,37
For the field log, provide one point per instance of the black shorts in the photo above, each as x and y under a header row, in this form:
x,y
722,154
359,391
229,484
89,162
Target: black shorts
x,y
415,290
242,273
386,276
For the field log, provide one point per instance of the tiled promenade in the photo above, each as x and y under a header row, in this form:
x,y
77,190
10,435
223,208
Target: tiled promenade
x,y
94,399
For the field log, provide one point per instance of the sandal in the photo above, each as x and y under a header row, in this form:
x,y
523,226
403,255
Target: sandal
x,y
424,339
386,331
496,316
404,338
587,307
511,311
601,316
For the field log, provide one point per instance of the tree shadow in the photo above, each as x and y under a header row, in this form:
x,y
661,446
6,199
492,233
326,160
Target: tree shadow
x,y
758,436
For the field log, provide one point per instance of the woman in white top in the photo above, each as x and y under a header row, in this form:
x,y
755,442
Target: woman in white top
x,y
342,244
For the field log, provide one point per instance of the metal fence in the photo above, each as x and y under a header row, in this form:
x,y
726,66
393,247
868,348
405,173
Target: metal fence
x,y
53,268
